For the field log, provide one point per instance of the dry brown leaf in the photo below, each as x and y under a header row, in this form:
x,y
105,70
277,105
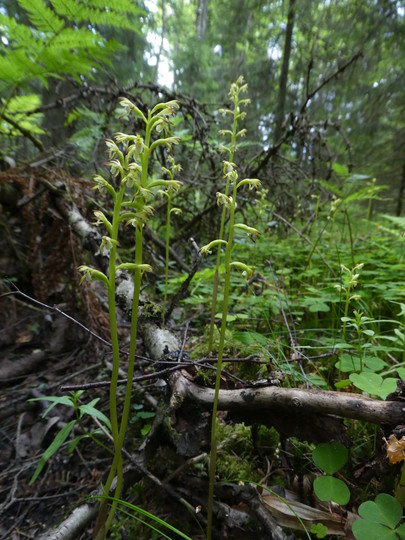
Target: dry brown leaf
x,y
395,449
286,515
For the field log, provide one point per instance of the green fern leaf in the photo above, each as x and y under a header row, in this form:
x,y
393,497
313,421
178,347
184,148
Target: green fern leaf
x,y
396,220
41,16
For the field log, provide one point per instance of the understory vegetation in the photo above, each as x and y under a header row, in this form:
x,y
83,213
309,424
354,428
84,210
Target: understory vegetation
x,y
203,289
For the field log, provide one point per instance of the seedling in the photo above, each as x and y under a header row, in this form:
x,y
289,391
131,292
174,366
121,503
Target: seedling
x,y
60,438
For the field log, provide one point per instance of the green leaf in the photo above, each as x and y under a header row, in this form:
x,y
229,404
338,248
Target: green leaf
x,y
374,384
401,531
344,383
60,438
319,530
366,530
329,488
55,400
145,415
42,17
251,337
373,363
348,363
343,346
92,411
330,457
145,430
385,510
72,445
122,504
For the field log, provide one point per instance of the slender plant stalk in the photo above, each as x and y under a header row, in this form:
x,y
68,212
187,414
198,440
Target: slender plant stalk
x,y
229,202
101,526
169,205
213,455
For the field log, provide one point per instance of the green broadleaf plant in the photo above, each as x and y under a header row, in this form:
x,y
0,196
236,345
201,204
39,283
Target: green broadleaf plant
x,y
380,519
65,431
373,383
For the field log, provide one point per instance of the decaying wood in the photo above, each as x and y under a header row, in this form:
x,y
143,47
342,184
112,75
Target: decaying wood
x,y
72,527
294,401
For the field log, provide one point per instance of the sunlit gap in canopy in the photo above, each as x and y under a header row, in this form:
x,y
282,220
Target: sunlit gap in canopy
x,y
165,75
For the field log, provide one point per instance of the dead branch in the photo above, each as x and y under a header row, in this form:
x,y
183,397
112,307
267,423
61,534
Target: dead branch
x,y
272,399
73,526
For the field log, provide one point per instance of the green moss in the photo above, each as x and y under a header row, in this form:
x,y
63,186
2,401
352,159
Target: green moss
x,y
201,347
236,455
266,440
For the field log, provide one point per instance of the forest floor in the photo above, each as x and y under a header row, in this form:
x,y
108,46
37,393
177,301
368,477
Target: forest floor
x,y
47,341
40,351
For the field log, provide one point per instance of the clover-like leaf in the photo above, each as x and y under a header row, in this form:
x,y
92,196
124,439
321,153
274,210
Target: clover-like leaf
x,y
385,510
329,488
330,457
374,384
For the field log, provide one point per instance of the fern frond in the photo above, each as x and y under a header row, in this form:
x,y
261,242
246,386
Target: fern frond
x,y
18,35
79,38
17,67
119,6
116,13
41,16
396,220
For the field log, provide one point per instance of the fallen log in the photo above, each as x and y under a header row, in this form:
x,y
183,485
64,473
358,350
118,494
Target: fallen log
x,y
288,409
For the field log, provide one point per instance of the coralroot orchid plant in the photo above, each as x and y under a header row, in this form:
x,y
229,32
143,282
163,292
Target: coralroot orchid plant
x,y
228,201
128,161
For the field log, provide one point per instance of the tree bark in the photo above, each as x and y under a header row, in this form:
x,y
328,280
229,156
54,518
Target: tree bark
x,y
280,112
401,193
201,19
267,400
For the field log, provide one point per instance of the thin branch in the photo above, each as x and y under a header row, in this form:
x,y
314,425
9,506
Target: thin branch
x,y
26,132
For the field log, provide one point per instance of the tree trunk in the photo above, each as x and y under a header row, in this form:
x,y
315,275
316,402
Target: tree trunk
x,y
280,112
401,193
201,19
